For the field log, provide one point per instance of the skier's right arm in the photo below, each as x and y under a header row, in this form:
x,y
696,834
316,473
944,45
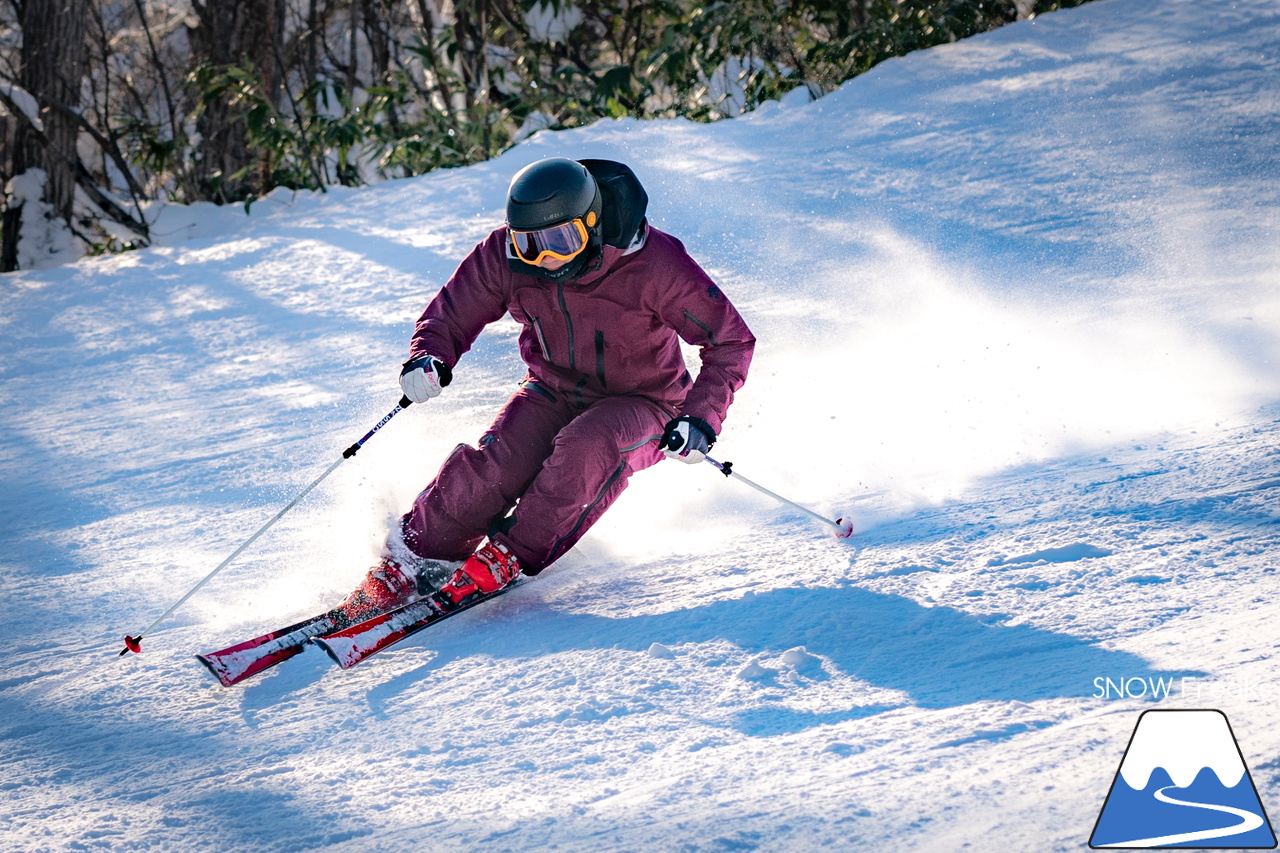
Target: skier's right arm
x,y
473,298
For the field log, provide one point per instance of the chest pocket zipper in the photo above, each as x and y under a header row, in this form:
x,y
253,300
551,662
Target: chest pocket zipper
x,y
542,341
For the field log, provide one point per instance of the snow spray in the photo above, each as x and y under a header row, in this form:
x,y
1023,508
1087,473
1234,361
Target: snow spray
x,y
133,642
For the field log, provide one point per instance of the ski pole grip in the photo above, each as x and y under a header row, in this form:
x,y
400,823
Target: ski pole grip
x,y
404,403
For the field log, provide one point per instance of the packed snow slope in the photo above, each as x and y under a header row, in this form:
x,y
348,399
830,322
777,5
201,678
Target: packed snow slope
x,y
1018,304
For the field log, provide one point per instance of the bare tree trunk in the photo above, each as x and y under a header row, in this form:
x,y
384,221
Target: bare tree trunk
x,y
353,51
53,59
7,128
231,33
470,26
268,87
378,25
313,37
430,31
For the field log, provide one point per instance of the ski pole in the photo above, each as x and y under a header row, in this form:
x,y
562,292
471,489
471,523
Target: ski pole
x,y
843,526
133,643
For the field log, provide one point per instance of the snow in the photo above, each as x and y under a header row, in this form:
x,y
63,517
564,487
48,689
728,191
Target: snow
x,y
24,101
552,21
1019,319
45,240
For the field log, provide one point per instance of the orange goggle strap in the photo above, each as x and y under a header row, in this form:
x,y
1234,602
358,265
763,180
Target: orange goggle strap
x,y
563,242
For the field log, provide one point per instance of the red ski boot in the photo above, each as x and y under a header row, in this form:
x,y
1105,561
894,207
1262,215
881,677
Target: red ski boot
x,y
386,586
487,570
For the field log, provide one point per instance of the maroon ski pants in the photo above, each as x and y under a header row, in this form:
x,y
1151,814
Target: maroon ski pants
x,y
559,463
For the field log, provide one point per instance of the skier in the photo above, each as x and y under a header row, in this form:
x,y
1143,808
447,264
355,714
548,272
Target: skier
x,y
603,298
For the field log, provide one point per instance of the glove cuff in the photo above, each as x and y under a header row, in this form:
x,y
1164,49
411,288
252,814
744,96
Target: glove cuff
x,y
437,366
702,426
694,423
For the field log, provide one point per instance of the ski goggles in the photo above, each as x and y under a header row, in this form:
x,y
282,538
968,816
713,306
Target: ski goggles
x,y
563,242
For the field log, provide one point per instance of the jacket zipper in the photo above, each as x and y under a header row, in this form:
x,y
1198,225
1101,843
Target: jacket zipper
x,y
568,322
542,341
711,338
587,510
534,386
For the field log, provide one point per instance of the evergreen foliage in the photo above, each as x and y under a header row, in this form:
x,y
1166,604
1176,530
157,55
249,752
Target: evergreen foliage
x,y
225,100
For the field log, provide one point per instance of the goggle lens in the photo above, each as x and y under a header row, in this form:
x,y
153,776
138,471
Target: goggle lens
x,y
563,242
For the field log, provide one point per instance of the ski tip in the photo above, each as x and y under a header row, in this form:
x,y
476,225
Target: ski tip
x,y
131,644
844,528
216,672
340,656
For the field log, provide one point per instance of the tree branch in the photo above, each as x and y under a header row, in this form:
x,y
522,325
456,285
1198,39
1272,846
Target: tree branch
x,y
83,179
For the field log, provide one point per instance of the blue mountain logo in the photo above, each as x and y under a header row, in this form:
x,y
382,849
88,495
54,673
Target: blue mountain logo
x,y
1183,783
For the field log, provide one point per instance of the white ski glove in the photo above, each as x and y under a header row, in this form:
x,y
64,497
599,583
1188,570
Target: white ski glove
x,y
687,439
423,377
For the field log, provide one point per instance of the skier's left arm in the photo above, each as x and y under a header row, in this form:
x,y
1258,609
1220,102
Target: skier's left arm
x,y
704,317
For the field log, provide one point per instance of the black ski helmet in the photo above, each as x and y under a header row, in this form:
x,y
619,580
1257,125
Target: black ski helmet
x,y
552,192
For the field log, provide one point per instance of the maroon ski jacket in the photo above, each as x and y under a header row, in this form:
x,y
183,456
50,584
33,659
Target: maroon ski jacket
x,y
610,332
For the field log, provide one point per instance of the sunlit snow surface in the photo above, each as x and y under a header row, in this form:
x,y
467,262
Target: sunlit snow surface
x,y
1018,302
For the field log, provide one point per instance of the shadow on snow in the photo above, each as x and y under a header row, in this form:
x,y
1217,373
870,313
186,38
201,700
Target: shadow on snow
x,y
938,656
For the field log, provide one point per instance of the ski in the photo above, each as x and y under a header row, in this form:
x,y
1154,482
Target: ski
x,y
236,663
349,646
346,645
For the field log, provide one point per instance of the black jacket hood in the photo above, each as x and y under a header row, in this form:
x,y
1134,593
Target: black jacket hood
x,y
625,201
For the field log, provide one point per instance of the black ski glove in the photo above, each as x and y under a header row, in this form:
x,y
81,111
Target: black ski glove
x,y
687,439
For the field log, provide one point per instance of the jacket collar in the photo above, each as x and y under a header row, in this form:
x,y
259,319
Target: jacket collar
x,y
610,257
